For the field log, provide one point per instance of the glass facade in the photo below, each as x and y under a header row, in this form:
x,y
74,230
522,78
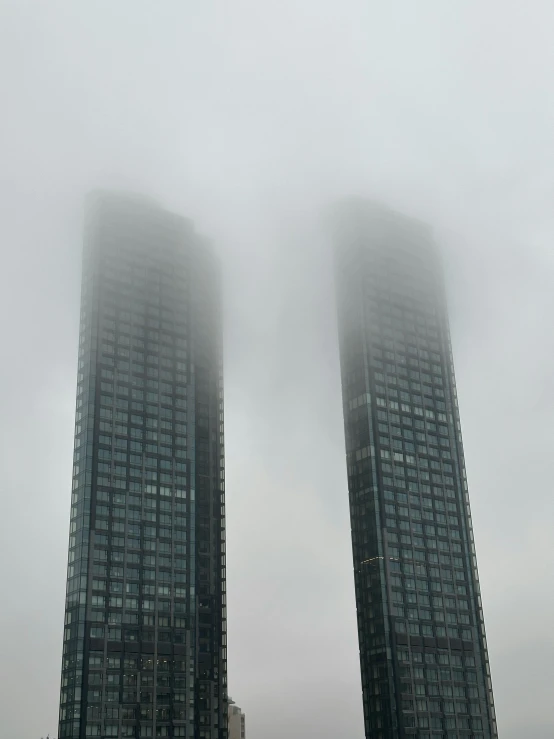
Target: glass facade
x,y
423,652
144,648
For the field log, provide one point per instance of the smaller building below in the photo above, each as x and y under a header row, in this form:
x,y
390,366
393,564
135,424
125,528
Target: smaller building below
x,y
237,721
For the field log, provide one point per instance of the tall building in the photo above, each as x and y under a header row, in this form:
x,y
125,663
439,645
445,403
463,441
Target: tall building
x,y
237,721
144,650
423,652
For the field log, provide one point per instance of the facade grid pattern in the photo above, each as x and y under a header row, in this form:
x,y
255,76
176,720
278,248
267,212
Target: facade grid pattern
x,y
144,650
423,652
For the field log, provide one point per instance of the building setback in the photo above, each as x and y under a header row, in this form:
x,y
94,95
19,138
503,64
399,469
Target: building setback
x,y
423,652
144,650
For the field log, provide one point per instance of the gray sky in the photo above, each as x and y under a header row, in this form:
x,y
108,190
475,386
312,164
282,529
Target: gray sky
x,y
249,116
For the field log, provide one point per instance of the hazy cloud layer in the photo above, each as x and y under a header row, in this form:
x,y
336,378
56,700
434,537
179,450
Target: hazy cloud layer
x,y
249,117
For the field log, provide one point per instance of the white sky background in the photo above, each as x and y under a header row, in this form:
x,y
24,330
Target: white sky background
x,y
250,116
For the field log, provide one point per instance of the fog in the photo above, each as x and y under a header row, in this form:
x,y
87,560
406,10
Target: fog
x,y
251,117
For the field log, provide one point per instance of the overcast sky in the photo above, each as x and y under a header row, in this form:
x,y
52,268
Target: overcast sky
x,y
249,116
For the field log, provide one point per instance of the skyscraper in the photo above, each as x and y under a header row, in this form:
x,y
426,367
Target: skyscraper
x,y
144,650
423,652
